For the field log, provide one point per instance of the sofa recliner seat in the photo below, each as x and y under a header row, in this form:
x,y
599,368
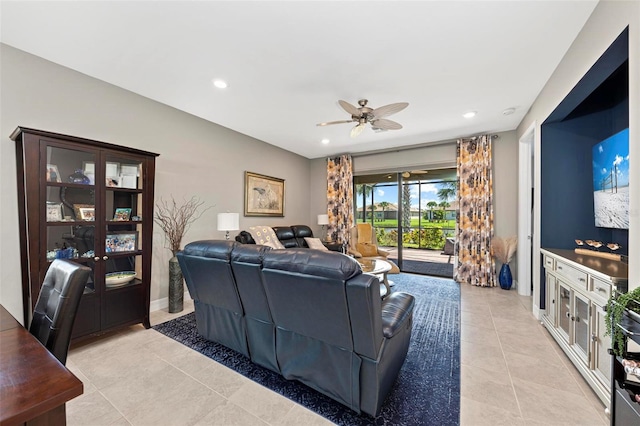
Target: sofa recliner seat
x,y
289,236
309,315
220,316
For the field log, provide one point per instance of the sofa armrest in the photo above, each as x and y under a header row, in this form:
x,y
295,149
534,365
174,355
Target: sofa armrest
x,y
354,252
397,310
382,252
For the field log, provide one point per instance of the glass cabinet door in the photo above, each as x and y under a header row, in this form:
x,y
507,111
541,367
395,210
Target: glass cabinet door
x,y
581,327
601,361
124,221
564,309
70,207
550,304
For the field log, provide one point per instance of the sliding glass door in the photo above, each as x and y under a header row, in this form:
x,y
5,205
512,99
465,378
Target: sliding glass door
x,y
412,212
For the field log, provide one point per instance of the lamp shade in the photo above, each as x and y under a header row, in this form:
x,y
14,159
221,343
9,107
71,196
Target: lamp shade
x,y
228,221
323,219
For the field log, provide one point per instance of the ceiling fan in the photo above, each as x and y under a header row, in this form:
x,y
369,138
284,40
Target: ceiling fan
x,y
364,115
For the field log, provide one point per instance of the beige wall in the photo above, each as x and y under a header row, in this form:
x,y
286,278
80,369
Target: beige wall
x,y
607,21
196,157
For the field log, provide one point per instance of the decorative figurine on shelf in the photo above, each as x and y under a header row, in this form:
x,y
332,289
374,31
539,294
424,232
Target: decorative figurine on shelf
x,y
79,177
594,244
613,246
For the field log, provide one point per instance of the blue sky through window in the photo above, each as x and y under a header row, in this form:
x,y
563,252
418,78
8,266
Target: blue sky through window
x,y
389,193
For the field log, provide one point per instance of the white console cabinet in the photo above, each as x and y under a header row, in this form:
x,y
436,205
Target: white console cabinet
x,y
577,289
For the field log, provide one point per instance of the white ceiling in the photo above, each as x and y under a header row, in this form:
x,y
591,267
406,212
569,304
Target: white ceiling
x,y
288,62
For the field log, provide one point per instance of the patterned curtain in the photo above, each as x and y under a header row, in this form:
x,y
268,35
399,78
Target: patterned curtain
x,y
340,197
474,221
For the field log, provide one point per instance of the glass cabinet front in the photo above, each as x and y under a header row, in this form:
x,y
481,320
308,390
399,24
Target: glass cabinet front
x,y
123,221
564,306
94,213
70,206
581,336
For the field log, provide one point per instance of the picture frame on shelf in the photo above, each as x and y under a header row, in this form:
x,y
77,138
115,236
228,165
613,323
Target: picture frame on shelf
x,y
53,175
263,195
129,174
89,170
112,174
122,214
55,212
84,212
121,241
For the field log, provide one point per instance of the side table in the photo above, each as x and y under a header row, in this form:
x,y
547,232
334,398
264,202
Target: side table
x,y
334,246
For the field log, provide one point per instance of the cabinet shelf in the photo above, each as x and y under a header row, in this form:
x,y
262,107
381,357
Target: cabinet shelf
x,y
71,185
123,222
132,283
118,189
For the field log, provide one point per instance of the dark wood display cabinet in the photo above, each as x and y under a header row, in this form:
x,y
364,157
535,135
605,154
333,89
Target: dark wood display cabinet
x,y
625,388
91,202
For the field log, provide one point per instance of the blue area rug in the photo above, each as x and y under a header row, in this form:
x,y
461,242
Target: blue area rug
x,y
427,391
437,269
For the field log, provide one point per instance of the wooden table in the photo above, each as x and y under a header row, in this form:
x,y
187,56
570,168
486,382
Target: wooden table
x,y
34,385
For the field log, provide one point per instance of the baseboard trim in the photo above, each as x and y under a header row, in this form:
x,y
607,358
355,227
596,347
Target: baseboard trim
x,y
159,304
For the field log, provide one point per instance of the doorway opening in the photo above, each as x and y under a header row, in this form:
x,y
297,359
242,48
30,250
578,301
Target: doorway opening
x,y
413,214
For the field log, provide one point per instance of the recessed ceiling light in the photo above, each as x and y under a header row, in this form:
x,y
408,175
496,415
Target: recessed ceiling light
x,y
220,84
509,111
469,114
325,141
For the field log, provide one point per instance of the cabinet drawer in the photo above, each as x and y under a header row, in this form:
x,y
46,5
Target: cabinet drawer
x,y
548,263
575,276
601,289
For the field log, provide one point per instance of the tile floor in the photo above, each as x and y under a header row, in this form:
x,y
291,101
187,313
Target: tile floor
x,y
512,373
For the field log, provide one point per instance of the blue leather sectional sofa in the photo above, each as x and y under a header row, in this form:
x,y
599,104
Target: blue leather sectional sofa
x,y
309,315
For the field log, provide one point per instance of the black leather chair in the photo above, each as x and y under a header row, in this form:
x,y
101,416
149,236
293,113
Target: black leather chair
x,y
57,306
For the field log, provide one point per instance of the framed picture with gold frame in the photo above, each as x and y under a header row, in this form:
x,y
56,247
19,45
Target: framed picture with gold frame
x,y
84,212
263,195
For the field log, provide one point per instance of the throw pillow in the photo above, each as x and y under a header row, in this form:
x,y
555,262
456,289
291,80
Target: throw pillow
x,y
266,236
315,243
367,250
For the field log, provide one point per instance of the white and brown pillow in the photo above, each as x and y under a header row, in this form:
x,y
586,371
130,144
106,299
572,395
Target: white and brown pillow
x,y
315,243
266,236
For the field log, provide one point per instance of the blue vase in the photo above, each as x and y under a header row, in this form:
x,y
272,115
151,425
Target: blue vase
x,y
505,277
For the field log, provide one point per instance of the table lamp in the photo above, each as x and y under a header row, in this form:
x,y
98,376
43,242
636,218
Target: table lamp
x,y
228,222
323,220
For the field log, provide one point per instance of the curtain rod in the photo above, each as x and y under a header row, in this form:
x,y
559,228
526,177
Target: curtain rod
x,y
410,147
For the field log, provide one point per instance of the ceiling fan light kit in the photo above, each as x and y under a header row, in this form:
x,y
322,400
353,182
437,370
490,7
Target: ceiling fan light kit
x,y
365,114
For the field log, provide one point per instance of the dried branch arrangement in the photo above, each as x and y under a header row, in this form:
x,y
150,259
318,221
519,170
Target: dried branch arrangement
x,y
504,248
175,219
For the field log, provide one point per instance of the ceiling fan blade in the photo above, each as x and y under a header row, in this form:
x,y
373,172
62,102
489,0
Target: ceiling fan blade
x,y
328,123
385,124
357,130
350,108
387,110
